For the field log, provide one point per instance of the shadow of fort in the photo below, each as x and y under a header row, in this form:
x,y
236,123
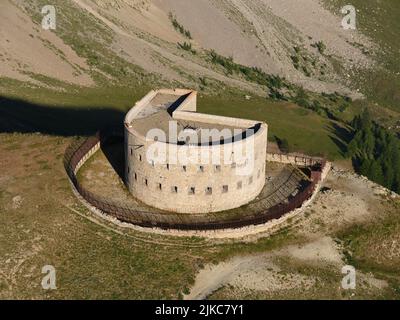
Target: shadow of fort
x,y
19,116
25,117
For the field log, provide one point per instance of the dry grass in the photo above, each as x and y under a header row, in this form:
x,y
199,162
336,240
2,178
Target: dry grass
x,y
94,259
91,261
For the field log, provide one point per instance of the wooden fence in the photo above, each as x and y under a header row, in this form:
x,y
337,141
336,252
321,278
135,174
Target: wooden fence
x,y
80,151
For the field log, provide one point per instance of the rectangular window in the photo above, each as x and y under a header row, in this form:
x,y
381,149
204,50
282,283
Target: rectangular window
x,y
217,168
209,191
225,189
201,169
174,189
159,186
140,157
131,151
146,182
167,166
135,176
192,190
184,168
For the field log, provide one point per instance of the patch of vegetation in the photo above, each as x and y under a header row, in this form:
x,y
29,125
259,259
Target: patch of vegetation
x,y
187,46
333,105
71,111
283,145
306,63
48,81
252,74
369,247
380,21
179,27
92,43
312,134
375,152
320,45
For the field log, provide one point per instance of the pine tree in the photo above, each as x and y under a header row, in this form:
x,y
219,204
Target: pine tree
x,y
364,168
369,143
376,173
375,152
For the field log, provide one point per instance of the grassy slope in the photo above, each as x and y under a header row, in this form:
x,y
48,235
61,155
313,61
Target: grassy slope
x,y
98,261
371,247
92,261
68,111
90,39
380,21
305,130
85,255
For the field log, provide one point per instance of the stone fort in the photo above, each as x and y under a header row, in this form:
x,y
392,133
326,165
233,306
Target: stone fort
x,y
173,163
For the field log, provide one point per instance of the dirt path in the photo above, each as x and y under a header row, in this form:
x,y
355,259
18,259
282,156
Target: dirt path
x,y
266,273
347,199
260,272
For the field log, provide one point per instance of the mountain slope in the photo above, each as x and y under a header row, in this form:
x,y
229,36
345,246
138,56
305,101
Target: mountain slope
x,y
272,35
25,48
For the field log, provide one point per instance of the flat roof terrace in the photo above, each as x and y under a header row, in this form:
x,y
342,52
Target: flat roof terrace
x,y
170,109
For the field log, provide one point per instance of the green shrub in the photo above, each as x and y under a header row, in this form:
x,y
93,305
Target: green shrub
x,y
283,145
187,46
375,152
179,27
252,74
320,46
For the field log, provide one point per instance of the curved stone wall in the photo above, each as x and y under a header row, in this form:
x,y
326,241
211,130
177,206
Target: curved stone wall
x,y
222,170
195,187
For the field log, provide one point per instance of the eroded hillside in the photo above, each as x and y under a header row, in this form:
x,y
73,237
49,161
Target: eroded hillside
x,y
297,40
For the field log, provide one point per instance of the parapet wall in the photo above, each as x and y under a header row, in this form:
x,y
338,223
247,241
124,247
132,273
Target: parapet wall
x,y
209,118
296,160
